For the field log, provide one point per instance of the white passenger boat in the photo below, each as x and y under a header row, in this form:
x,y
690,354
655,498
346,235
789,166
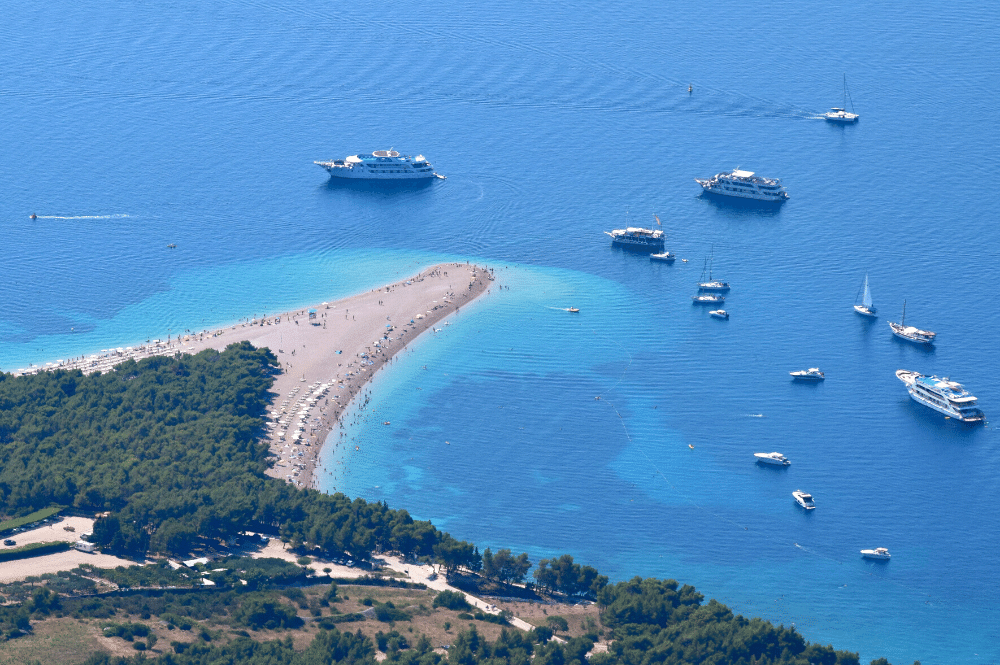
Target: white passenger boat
x,y
744,185
772,459
708,299
811,374
840,115
866,308
719,314
804,499
380,165
878,554
909,333
943,395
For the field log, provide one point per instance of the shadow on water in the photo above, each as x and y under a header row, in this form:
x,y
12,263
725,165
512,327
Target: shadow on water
x,y
379,187
738,207
924,349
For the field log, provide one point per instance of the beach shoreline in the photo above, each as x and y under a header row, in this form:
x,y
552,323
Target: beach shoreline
x,y
326,360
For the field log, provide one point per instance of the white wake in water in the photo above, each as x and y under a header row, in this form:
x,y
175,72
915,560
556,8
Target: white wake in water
x,y
120,216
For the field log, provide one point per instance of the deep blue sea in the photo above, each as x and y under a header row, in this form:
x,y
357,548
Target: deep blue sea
x,y
126,126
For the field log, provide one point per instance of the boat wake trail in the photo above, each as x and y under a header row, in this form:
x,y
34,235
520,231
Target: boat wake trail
x,y
120,216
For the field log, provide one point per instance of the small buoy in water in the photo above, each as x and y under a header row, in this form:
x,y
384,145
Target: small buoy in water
x,y
34,216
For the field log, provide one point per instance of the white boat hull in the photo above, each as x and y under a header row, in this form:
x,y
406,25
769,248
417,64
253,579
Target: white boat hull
x,y
864,311
357,173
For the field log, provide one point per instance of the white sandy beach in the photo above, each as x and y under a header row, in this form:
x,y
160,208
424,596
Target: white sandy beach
x,y
327,353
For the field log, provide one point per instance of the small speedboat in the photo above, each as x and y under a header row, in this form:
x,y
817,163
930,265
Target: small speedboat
x,y
708,299
879,554
773,459
573,309
811,374
804,499
719,314
665,257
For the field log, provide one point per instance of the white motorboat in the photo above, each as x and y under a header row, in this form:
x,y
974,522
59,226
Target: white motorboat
x,y
943,395
804,499
665,257
909,333
840,115
773,459
811,374
719,314
865,308
708,299
878,554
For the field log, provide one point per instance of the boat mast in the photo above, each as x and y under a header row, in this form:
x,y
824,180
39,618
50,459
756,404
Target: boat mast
x,y
847,95
902,319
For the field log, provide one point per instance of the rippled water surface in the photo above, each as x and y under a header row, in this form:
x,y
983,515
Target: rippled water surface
x,y
131,126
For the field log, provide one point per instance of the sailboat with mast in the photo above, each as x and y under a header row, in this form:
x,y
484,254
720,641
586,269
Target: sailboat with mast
x,y
865,308
711,284
840,115
909,333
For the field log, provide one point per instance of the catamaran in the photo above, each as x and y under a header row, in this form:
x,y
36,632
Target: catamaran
x,y
840,115
865,308
909,333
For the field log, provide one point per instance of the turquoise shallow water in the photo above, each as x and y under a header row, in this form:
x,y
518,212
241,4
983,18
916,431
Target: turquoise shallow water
x,y
130,127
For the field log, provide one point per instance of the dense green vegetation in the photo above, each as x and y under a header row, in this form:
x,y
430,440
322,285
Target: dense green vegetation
x,y
170,446
33,549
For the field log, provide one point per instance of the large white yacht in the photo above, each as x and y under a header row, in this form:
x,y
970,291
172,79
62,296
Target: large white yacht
x,y
380,165
811,374
804,499
878,554
943,395
744,185
774,459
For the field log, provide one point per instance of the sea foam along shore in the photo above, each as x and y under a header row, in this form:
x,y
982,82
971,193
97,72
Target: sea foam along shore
x,y
327,353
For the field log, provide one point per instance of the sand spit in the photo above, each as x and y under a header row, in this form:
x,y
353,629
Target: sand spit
x,y
327,353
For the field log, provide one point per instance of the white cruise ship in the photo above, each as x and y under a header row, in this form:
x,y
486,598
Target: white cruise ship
x,y
943,395
380,165
744,185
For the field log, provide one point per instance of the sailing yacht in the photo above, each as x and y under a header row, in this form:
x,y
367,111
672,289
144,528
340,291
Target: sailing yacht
x,y
840,115
865,308
711,284
909,333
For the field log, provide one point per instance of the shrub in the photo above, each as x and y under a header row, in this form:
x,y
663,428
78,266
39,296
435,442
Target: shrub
x,y
453,600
